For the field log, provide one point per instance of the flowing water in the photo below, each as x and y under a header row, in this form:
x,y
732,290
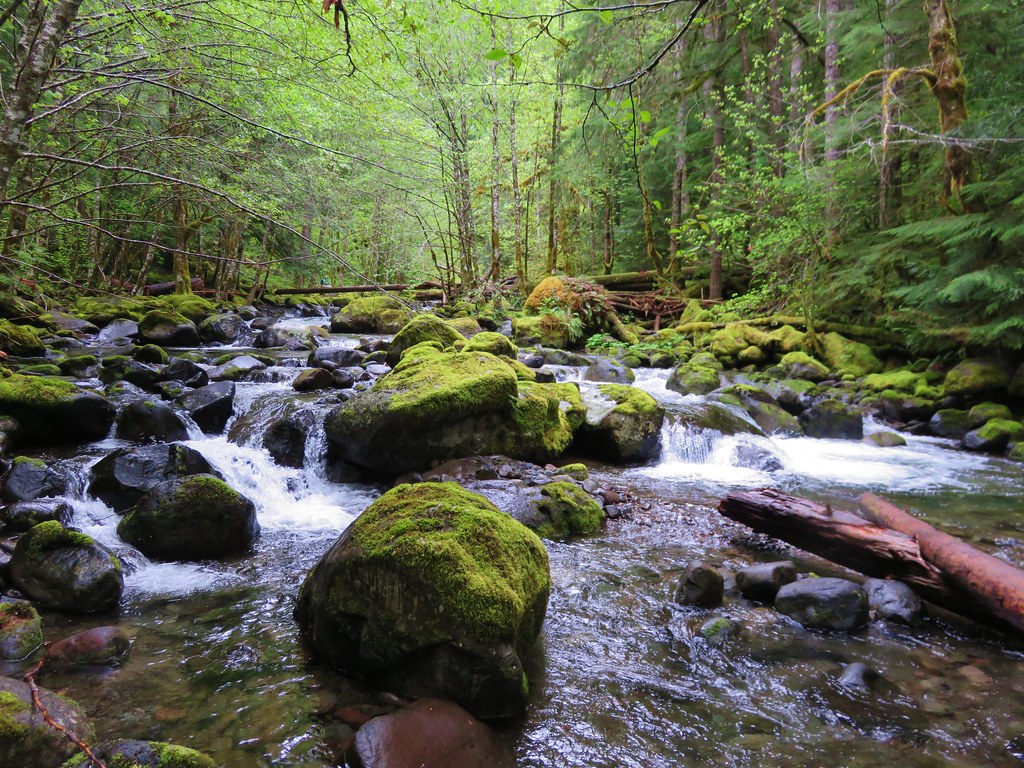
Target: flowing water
x,y
621,676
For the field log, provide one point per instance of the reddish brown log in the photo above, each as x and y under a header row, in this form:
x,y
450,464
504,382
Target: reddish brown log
x,y
874,549
995,583
325,289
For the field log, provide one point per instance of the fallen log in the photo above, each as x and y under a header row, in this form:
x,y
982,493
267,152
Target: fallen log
x,y
998,585
871,548
328,289
164,289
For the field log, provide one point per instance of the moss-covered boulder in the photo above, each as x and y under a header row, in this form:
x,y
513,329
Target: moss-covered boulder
x,y
195,308
431,591
697,376
926,385
371,314
31,478
547,330
123,477
61,568
559,509
292,339
610,371
833,419
125,753
20,340
740,343
800,365
994,436
786,339
168,329
191,518
623,424
885,439
765,410
848,358
439,405
493,342
22,515
422,328
985,412
978,377
54,411
950,422
224,328
27,740
21,630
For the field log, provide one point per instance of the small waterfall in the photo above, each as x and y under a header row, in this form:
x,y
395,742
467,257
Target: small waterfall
x,y
682,442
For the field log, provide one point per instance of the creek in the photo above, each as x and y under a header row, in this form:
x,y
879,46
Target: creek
x,y
621,676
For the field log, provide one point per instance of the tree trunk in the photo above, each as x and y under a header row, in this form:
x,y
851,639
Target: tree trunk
x,y
609,243
680,193
495,273
556,130
775,107
715,31
517,214
949,88
831,77
182,273
889,180
950,581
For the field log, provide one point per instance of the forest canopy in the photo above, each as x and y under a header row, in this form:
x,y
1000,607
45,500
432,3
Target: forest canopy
x,y
851,161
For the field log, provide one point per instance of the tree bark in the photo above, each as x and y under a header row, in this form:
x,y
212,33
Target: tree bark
x,y
831,77
889,181
715,32
517,214
495,272
951,577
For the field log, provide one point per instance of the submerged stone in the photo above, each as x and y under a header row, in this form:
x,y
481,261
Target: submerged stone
x,y
827,603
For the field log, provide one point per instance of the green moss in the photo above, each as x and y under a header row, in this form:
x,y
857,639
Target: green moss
x,y
195,308
465,325
849,357
150,353
42,369
977,377
425,327
1016,452
571,509
173,756
546,330
11,706
21,340
522,371
495,343
1001,429
630,400
800,365
105,311
51,535
575,471
485,567
17,392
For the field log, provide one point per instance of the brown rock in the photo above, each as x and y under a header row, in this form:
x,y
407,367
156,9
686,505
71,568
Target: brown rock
x,y
313,378
100,645
429,733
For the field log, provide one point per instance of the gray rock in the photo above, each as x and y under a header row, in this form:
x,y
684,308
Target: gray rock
x,y
236,368
27,740
142,420
335,357
312,379
210,406
833,419
609,371
763,581
890,600
123,477
834,604
950,422
29,479
118,330
223,329
700,585
188,373
22,515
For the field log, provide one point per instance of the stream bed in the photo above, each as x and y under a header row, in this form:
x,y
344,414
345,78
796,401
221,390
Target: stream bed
x,y
621,676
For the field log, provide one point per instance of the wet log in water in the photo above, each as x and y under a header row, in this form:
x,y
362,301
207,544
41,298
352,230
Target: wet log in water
x,y
958,578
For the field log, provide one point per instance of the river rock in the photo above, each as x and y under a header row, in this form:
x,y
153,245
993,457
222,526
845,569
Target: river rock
x,y
118,331
827,603
858,675
54,411
210,406
762,581
554,510
833,419
978,377
430,733
236,369
371,314
847,357
439,405
125,368
223,328
21,630
168,329
191,518
150,420
698,376
22,515
26,739
753,452
700,585
313,379
335,357
950,422
30,478
623,424
124,476
65,322
495,343
885,439
766,411
610,371
67,570
187,372
277,336
144,754
994,436
431,591
99,646
422,328
890,600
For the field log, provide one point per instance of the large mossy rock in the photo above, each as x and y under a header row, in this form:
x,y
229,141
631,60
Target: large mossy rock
x,y
191,518
800,365
371,314
431,591
67,570
424,327
978,377
848,358
21,630
493,342
20,340
697,376
833,419
129,753
284,337
168,329
22,515
54,411
994,436
547,330
765,410
122,478
623,424
556,510
26,739
440,405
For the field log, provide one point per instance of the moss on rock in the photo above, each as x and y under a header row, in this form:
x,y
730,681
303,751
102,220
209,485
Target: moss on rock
x,y
20,340
378,313
436,591
571,510
848,357
977,377
546,330
495,343
423,327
